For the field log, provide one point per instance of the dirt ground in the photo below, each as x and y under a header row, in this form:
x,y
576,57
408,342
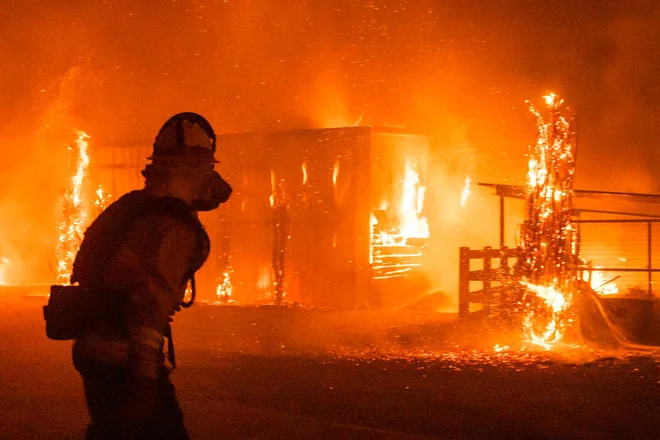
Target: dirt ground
x,y
291,373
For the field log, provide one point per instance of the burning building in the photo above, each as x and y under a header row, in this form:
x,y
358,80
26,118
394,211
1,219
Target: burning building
x,y
327,217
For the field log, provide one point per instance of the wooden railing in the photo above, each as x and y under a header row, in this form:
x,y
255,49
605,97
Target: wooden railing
x,y
487,276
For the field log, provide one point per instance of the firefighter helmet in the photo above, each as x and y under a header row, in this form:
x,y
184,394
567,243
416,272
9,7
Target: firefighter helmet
x,y
185,136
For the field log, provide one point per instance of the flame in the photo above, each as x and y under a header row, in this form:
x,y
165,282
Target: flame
x,y
188,293
550,295
304,171
600,285
499,349
412,203
102,200
466,192
549,261
224,288
74,212
335,173
271,199
392,253
557,302
550,99
4,265
373,222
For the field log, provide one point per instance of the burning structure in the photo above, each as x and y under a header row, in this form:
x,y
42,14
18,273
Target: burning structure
x,y
548,260
558,280
327,218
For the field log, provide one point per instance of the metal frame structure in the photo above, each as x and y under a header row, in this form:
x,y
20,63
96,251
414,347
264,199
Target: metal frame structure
x,y
488,295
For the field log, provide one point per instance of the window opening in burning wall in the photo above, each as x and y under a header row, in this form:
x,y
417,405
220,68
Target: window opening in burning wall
x,y
399,230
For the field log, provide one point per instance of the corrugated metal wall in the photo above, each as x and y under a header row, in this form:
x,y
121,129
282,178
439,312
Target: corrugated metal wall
x,y
623,245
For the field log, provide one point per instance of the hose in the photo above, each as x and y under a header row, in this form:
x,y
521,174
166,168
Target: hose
x,y
621,339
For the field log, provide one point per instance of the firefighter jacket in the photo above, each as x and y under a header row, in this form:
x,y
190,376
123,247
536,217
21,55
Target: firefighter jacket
x,y
135,262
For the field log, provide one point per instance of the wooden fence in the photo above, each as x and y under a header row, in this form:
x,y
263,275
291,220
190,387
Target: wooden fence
x,y
487,275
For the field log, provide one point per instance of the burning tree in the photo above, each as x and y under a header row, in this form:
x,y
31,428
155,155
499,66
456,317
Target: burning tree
x,y
74,213
75,210
548,252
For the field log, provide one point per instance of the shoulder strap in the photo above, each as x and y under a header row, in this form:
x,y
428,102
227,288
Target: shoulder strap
x,y
105,235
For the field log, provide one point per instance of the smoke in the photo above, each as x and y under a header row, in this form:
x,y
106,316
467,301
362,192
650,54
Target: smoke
x,y
458,71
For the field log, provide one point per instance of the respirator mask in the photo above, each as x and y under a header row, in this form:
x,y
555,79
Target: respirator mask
x,y
214,191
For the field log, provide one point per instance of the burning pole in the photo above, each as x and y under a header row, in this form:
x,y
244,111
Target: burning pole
x,y
548,254
281,233
74,213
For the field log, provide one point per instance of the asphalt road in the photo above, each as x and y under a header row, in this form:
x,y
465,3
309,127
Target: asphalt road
x,y
248,373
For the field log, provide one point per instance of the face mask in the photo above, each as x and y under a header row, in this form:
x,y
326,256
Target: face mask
x,y
213,193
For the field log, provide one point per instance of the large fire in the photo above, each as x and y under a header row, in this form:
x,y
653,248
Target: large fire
x,y
75,210
74,213
549,260
397,247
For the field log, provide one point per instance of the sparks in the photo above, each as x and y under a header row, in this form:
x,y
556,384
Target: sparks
x,y
74,213
224,289
548,242
102,200
550,99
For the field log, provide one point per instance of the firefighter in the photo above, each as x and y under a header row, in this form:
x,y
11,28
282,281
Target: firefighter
x,y
134,263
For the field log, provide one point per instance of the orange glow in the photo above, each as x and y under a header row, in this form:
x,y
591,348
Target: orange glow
x,y
393,252
304,171
265,279
271,198
102,200
550,100
549,245
4,265
412,203
499,349
557,302
466,192
601,285
335,173
224,288
74,212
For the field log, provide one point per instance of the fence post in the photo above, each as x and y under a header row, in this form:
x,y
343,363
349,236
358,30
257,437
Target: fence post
x,y
463,282
504,272
650,257
487,292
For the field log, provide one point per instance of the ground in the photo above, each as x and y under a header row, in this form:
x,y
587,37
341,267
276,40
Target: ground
x,y
291,373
